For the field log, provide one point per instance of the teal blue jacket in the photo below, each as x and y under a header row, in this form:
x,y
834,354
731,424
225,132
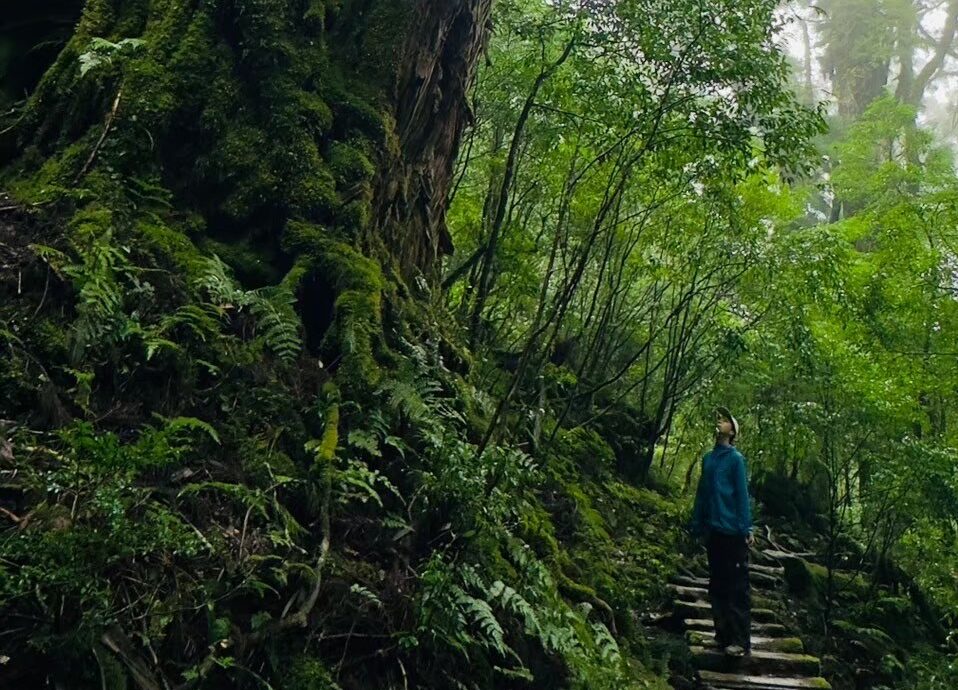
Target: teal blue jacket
x,y
721,501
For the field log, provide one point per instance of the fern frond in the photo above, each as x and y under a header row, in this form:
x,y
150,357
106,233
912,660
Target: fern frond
x,y
405,397
516,604
178,424
480,614
217,282
277,318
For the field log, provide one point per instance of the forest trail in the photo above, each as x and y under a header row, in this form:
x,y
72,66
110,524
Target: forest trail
x,y
778,660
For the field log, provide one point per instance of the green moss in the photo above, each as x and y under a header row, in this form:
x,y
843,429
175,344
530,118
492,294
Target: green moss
x,y
314,18
590,522
315,114
169,247
809,581
356,333
799,577
54,178
53,337
579,450
238,160
314,196
349,164
537,530
355,116
306,672
385,26
326,450
354,217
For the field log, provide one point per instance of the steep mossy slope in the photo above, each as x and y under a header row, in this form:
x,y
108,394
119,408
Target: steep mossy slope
x,y
237,448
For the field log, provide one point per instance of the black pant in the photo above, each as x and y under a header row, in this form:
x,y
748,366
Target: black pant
x,y
730,590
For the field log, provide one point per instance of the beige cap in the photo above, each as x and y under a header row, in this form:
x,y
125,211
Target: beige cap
x,y
724,411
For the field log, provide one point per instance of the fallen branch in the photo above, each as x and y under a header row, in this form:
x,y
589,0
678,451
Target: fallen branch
x,y
99,143
117,642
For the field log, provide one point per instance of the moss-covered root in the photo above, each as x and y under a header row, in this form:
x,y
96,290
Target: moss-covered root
x,y
356,282
325,453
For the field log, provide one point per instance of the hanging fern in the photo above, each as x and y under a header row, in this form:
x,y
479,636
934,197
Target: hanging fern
x,y
220,287
103,276
272,307
277,320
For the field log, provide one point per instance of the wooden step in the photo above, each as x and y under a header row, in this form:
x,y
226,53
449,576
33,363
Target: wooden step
x,y
768,566
774,570
766,580
785,555
763,629
744,681
759,580
758,662
703,609
686,593
762,557
792,645
691,592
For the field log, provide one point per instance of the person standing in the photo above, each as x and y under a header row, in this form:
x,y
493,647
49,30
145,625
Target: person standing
x,y
722,516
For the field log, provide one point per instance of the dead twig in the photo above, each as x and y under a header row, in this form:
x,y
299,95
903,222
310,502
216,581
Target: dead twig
x,y
99,143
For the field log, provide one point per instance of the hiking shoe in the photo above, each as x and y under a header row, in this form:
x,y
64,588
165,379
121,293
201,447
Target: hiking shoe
x,y
735,651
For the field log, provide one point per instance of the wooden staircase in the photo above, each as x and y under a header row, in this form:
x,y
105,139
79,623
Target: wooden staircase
x,y
778,660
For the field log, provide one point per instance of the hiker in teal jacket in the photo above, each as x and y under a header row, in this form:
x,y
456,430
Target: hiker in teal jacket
x,y
723,516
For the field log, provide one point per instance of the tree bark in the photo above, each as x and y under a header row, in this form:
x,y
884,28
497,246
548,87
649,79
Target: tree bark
x,y
431,112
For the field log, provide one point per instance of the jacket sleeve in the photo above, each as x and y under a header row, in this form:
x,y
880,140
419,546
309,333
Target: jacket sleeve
x,y
743,505
697,526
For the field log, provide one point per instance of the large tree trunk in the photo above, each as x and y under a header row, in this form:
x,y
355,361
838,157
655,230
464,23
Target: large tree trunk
x,y
436,71
302,92
306,144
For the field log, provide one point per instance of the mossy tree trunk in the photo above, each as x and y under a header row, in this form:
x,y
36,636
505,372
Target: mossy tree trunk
x,y
309,145
274,134
435,75
344,113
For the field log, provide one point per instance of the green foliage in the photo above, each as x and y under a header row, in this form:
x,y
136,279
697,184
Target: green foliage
x,y
272,307
102,51
96,520
291,463
306,673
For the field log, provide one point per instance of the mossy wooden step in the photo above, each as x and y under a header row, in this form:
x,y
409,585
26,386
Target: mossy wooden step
x,y
761,556
759,580
745,681
763,629
690,581
764,580
774,570
791,645
702,609
691,591
686,593
760,661
784,555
